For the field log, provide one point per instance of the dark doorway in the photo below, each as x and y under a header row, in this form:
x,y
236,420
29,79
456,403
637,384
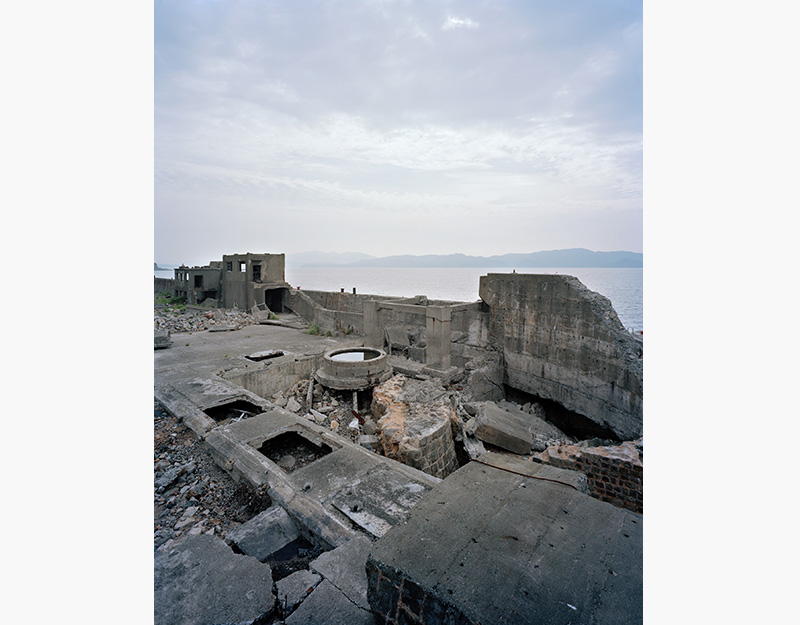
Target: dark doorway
x,y
273,298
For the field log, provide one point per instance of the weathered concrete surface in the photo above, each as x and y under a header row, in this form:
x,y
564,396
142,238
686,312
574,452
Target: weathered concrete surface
x,y
330,606
564,342
204,369
512,429
345,568
292,590
492,546
315,495
265,534
203,581
414,422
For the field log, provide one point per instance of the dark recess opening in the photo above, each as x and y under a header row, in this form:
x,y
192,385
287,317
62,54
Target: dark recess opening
x,y
198,282
233,410
569,422
273,298
297,447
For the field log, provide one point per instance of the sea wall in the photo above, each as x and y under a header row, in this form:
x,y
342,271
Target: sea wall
x,y
563,342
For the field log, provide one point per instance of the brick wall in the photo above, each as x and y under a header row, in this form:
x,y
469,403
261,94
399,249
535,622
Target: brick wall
x,y
614,473
396,600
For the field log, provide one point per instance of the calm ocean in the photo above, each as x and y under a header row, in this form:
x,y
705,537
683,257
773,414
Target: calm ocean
x,y
624,287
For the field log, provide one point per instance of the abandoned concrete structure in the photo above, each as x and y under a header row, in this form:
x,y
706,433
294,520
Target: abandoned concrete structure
x,y
508,483
237,281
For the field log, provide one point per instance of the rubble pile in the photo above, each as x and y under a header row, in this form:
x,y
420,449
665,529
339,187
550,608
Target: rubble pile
x,y
176,321
192,495
329,408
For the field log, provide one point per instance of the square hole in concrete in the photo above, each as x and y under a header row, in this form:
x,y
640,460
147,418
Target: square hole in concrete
x,y
233,411
292,451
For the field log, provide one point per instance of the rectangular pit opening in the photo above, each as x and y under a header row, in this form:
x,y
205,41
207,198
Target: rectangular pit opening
x,y
233,411
292,451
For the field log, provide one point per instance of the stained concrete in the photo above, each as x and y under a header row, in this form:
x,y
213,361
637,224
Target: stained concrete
x,y
203,581
328,605
315,494
265,534
512,429
563,342
494,545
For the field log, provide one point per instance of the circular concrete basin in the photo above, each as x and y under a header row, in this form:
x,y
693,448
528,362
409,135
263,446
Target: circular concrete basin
x,y
354,368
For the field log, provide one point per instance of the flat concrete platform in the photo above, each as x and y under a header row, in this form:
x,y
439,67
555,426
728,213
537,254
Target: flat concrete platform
x,y
494,545
206,370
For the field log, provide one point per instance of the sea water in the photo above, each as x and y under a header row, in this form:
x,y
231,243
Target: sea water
x,y
623,287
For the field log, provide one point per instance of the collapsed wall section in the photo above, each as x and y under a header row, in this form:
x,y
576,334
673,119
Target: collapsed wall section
x,y
614,473
414,424
563,342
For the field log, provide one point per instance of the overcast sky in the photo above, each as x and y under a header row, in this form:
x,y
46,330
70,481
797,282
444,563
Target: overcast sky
x,y
396,127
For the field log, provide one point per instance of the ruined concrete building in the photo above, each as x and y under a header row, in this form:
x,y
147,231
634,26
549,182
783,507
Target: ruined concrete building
x,y
491,470
238,281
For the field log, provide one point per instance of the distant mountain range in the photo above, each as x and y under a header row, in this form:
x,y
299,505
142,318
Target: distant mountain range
x,y
577,257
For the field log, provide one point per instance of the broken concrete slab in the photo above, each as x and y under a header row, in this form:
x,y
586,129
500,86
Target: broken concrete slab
x,y
344,567
316,493
223,587
490,545
161,339
512,429
292,590
329,605
265,534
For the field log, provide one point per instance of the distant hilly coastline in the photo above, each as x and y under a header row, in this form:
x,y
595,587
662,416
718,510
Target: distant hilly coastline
x,y
577,257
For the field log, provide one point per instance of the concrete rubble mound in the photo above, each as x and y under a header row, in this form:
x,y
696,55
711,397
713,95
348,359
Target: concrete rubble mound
x,y
197,321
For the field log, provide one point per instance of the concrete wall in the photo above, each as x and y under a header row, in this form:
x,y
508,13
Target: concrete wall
x,y
282,374
163,285
564,342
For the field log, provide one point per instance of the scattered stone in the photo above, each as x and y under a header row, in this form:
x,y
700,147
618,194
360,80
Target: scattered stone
x,y
287,462
292,405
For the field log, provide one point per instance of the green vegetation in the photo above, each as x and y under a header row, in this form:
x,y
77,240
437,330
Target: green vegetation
x,y
173,304
348,330
313,328
273,317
